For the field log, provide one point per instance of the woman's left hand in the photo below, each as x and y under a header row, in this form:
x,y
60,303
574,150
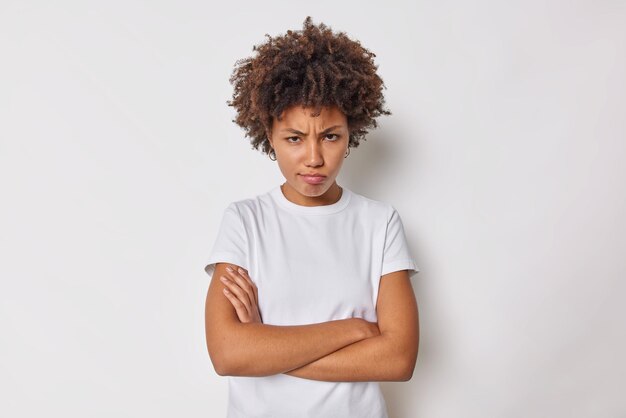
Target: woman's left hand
x,y
243,294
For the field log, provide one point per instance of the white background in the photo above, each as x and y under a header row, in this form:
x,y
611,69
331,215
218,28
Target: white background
x,y
504,156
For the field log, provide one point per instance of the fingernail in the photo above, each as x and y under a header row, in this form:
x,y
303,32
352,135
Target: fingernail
x,y
229,268
240,271
224,279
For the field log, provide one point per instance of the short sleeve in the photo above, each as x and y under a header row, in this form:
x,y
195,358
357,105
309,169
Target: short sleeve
x,y
396,253
230,246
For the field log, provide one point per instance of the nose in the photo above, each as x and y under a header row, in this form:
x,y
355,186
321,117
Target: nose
x,y
314,155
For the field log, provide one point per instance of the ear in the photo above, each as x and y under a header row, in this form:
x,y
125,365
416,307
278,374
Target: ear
x,y
268,135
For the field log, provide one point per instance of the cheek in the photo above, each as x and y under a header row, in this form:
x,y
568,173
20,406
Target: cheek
x,y
338,158
286,165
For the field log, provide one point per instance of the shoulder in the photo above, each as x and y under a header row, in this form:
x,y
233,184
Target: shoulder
x,y
251,207
372,207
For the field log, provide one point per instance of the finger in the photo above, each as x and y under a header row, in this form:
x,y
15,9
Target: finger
x,y
235,288
240,308
244,274
245,284
253,288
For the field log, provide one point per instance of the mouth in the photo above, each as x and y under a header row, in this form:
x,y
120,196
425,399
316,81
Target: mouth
x,y
313,178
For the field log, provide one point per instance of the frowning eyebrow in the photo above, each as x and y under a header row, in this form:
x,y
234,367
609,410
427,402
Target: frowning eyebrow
x,y
295,131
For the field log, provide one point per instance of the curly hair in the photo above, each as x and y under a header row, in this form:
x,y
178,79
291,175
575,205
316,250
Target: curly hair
x,y
314,68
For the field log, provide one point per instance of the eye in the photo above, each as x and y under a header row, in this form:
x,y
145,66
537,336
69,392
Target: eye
x,y
335,138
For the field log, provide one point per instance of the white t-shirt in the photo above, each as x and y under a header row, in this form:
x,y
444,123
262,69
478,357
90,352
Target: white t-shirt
x,y
311,264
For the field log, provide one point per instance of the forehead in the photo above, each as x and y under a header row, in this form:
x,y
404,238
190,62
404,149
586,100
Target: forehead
x,y
303,116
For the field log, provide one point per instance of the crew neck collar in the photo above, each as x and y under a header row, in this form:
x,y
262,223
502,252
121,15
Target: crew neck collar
x,y
280,198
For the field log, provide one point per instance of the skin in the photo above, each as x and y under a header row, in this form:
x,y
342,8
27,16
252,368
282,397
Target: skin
x,y
389,351
303,144
240,348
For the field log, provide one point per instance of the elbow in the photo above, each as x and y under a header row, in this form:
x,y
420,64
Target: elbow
x,y
227,355
407,364
224,365
219,363
222,357
220,368
405,355
230,361
223,372
220,371
406,373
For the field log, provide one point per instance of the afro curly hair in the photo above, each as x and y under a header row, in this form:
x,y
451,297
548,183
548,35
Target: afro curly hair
x,y
314,68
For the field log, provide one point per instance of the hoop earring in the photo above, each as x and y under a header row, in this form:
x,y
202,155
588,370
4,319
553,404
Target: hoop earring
x,y
273,159
347,153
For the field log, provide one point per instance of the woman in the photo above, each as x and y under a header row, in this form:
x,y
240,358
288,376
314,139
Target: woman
x,y
310,303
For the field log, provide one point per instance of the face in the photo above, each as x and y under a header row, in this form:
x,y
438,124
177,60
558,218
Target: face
x,y
310,145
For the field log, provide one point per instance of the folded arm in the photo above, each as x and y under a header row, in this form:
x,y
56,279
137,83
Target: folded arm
x,y
256,349
392,355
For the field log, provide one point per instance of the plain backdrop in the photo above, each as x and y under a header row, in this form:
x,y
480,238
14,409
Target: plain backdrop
x,y
504,156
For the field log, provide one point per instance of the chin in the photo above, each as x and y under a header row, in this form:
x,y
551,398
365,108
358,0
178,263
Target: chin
x,y
314,191
311,190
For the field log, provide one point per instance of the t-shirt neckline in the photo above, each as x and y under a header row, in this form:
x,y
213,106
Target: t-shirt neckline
x,y
343,201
